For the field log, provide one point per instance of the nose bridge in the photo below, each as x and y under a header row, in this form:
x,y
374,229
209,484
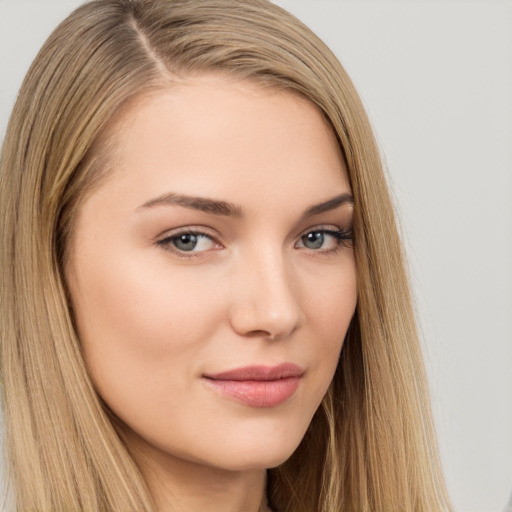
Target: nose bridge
x,y
268,303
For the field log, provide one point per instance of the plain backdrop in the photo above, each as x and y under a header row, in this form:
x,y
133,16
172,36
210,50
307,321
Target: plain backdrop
x,y
436,77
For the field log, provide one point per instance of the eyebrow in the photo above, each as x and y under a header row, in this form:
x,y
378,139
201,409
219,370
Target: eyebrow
x,y
328,205
196,203
227,209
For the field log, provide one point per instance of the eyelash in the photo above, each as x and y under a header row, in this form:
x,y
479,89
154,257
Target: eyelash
x,y
343,238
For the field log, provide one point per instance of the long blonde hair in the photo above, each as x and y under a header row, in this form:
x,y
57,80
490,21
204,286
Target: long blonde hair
x,y
371,445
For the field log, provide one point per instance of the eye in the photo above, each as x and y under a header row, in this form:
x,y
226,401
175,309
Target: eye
x,y
188,242
325,240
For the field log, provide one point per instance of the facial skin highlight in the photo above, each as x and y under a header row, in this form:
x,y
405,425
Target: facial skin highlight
x,y
213,281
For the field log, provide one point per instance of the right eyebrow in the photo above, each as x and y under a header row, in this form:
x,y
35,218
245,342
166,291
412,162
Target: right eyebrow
x,y
203,204
328,205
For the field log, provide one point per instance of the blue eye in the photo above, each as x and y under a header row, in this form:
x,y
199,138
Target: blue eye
x,y
188,242
313,240
325,240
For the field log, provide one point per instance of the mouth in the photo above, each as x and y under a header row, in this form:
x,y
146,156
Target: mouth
x,y
258,386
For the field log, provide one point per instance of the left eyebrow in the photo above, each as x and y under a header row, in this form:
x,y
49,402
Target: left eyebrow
x,y
328,205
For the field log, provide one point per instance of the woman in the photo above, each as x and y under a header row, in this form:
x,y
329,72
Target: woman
x,y
201,275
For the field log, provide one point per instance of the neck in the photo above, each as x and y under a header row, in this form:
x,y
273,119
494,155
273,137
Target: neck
x,y
207,490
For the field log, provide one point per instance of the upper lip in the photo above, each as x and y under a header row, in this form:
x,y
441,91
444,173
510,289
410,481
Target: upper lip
x,y
259,372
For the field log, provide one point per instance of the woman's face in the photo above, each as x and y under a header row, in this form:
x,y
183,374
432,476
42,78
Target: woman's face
x,y
212,275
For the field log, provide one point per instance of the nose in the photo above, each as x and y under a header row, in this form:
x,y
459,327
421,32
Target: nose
x,y
267,302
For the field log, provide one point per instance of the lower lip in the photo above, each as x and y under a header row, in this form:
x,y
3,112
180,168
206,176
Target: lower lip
x,y
257,393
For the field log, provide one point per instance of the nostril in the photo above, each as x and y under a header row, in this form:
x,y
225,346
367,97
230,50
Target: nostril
x,y
260,333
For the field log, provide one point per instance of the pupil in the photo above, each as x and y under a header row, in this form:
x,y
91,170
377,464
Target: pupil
x,y
314,240
185,242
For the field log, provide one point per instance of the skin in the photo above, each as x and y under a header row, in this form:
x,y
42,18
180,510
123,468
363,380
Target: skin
x,y
153,320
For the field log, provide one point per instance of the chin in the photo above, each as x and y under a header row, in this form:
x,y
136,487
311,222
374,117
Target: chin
x,y
256,461
259,452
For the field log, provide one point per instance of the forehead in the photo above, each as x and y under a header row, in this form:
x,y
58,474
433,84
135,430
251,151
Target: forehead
x,y
210,131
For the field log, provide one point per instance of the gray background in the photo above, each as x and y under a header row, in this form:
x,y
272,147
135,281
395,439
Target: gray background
x,y
436,77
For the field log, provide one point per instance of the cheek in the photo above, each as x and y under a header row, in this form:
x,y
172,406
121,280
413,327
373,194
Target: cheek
x,y
331,298
329,313
138,330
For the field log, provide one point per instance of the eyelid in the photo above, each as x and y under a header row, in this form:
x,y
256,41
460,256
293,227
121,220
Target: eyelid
x,y
192,229
333,228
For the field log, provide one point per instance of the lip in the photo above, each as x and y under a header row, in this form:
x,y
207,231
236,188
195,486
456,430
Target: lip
x,y
258,386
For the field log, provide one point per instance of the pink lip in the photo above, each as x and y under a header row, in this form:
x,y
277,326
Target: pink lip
x,y
258,386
